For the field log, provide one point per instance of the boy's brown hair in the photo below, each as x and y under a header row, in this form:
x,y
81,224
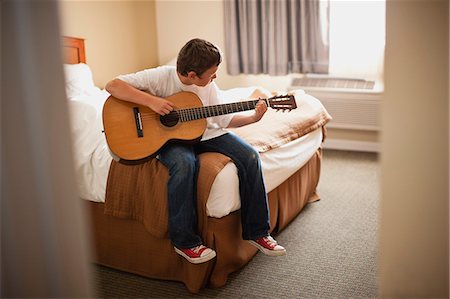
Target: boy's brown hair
x,y
197,55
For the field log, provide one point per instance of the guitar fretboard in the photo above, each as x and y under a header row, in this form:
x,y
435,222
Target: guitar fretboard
x,y
216,110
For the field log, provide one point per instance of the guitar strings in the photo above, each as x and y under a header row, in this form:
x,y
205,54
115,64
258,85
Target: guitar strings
x,y
205,109
192,113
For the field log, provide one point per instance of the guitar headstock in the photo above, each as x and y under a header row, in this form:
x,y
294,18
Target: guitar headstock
x,y
282,102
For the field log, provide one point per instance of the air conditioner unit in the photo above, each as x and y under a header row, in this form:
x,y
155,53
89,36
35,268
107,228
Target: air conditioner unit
x,y
354,104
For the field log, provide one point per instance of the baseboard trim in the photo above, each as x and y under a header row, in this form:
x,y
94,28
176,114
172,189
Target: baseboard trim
x,y
351,145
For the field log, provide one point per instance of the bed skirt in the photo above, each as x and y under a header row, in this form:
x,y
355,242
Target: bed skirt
x,y
126,245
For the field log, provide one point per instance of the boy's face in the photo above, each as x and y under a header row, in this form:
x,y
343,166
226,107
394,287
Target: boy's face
x,y
207,77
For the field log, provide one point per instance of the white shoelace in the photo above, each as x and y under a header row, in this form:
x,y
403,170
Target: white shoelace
x,y
198,248
271,240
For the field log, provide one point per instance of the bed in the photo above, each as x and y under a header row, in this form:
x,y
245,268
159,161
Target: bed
x,y
127,202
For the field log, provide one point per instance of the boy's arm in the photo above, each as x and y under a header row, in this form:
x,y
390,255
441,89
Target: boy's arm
x,y
242,120
124,91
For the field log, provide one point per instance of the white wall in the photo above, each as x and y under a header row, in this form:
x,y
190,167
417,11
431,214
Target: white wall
x,y
414,230
120,36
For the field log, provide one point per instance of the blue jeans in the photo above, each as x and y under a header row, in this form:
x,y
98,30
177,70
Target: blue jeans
x,y
183,165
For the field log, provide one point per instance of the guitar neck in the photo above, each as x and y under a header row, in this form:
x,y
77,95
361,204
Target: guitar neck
x,y
189,114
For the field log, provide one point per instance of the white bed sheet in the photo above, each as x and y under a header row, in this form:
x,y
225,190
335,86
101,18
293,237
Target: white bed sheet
x,y
92,163
277,165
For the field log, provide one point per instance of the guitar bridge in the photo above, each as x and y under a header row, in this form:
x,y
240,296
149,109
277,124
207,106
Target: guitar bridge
x,y
138,121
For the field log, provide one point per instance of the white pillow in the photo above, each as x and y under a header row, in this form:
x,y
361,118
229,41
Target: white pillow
x,y
79,80
242,93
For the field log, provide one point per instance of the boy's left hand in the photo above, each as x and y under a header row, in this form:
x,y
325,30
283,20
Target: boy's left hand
x,y
260,109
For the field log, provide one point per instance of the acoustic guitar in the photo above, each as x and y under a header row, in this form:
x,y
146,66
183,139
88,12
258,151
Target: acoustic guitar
x,y
135,132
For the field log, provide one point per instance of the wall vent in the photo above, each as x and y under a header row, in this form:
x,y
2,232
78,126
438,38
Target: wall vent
x,y
353,103
334,83
356,113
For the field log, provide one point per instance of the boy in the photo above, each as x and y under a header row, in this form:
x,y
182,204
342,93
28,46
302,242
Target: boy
x,y
197,64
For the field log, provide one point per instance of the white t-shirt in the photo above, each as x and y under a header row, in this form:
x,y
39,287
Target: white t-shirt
x,y
163,81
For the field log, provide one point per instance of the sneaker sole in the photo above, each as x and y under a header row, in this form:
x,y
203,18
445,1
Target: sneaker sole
x,y
267,251
198,260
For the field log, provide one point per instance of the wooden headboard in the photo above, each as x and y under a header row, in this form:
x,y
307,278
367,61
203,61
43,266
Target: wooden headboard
x,y
73,50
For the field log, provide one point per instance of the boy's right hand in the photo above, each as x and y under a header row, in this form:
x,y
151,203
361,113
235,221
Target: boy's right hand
x,y
126,92
161,106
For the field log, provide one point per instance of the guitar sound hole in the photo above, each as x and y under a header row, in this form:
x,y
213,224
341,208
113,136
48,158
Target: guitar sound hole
x,y
171,119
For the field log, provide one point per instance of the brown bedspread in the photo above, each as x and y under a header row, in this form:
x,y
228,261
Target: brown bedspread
x,y
139,191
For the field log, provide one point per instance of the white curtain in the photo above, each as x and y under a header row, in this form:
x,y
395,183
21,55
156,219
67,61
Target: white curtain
x,y
275,37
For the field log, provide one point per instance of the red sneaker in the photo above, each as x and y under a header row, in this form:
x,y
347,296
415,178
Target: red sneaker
x,y
196,255
268,246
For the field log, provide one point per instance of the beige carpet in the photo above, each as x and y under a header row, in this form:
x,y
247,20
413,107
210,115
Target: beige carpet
x,y
332,246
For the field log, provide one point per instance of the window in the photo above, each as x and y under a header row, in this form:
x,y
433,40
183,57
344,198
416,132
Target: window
x,y
357,38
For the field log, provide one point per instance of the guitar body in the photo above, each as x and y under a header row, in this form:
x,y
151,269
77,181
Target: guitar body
x,y
134,132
